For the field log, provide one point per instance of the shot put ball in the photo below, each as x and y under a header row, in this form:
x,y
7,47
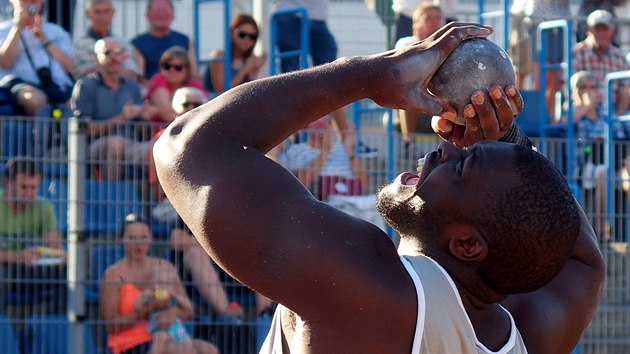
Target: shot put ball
x,y
476,64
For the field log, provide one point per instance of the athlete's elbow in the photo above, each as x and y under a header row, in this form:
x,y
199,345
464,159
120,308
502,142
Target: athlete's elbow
x,y
165,154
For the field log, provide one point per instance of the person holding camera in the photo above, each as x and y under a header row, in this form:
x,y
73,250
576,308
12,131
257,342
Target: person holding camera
x,y
35,59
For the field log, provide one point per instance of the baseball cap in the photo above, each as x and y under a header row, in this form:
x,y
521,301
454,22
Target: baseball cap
x,y
599,17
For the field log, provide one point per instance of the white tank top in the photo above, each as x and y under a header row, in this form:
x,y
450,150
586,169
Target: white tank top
x,y
443,325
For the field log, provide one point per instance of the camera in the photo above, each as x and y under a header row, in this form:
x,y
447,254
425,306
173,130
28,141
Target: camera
x,y
31,9
45,76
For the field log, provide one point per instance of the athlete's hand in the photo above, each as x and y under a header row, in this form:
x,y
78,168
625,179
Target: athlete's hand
x,y
407,71
488,117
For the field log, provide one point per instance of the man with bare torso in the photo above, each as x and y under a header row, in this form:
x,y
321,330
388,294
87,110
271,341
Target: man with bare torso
x,y
477,236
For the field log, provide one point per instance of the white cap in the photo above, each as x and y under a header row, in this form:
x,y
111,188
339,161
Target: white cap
x,y
599,17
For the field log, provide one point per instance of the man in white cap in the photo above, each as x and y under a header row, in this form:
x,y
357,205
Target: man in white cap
x,y
598,55
588,6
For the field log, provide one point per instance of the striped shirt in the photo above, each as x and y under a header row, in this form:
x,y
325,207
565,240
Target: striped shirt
x,y
585,57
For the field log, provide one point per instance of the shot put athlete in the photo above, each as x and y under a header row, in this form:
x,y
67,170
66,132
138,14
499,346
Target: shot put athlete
x,y
496,255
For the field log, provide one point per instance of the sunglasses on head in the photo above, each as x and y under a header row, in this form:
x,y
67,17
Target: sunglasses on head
x,y
243,35
191,104
167,67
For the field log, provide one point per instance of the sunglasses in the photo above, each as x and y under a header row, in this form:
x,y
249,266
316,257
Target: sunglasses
x,y
243,35
115,51
588,87
191,104
167,67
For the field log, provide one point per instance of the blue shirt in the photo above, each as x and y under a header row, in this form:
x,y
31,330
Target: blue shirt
x,y
152,48
23,68
93,99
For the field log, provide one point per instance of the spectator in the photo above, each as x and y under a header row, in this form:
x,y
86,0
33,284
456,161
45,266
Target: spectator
x,y
588,6
427,18
175,72
149,46
526,16
322,49
591,131
245,65
322,46
403,18
323,164
404,15
100,13
109,102
598,55
187,98
201,279
28,229
143,300
35,59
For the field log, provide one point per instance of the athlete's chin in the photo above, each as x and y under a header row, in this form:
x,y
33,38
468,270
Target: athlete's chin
x,y
396,212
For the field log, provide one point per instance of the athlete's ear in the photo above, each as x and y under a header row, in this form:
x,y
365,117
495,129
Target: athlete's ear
x,y
466,243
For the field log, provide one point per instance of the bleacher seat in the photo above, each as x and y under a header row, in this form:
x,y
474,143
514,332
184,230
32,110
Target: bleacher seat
x,y
6,107
101,257
529,118
30,297
56,192
8,338
17,138
46,334
50,143
107,203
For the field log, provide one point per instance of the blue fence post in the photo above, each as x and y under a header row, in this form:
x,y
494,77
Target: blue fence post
x,y
227,48
273,38
567,66
609,153
481,9
506,25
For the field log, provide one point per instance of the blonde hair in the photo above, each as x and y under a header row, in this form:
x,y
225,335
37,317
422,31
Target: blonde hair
x,y
577,80
579,77
423,8
179,53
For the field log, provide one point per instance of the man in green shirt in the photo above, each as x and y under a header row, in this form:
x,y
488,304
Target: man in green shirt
x,y
23,213
27,222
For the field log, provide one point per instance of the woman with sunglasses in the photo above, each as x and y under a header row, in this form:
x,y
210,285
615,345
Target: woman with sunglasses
x,y
175,72
244,65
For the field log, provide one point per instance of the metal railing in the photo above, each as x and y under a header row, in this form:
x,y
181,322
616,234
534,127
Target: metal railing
x,y
302,52
75,192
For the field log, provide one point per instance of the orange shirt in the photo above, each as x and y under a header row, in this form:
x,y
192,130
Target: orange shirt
x,y
135,335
